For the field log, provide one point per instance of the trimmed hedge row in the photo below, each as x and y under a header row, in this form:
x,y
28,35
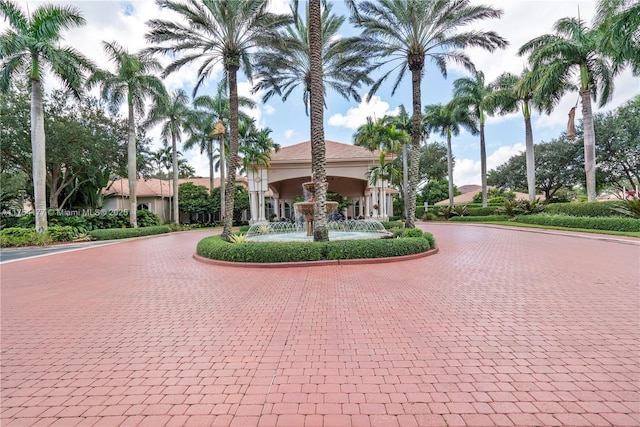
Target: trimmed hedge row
x,y
487,218
215,248
592,223
594,209
480,211
17,236
123,233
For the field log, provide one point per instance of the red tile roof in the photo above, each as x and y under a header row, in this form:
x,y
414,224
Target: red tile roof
x,y
335,151
160,187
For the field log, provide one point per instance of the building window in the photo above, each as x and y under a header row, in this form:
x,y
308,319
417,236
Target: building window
x,y
143,207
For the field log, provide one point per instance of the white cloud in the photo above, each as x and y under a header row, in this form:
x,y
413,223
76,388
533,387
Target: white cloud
x,y
288,133
357,116
467,171
269,110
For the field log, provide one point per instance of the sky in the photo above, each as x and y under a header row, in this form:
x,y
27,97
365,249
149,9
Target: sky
x,y
522,20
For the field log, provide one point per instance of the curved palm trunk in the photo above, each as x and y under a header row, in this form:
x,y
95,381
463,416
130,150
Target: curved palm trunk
x,y
174,161
316,101
233,151
415,150
450,166
483,162
210,152
589,145
530,159
38,153
131,167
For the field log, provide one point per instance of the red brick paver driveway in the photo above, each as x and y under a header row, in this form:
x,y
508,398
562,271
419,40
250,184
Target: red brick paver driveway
x,y
502,327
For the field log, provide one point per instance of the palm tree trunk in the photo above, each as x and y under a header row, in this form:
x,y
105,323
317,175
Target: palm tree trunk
x,y
531,165
174,160
211,181
131,167
38,151
483,162
223,174
316,101
405,177
415,149
589,145
233,151
450,166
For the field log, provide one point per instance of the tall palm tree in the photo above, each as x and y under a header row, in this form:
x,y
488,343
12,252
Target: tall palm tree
x,y
407,33
31,45
619,24
447,119
309,45
133,83
216,32
257,148
176,117
555,59
473,94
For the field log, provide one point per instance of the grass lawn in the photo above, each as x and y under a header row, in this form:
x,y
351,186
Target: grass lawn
x,y
549,227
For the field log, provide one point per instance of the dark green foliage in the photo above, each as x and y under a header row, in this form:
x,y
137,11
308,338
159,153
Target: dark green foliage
x,y
391,224
412,232
494,193
489,210
629,207
244,228
520,207
215,248
419,211
123,233
590,223
487,218
456,210
22,237
430,239
429,216
148,218
596,209
65,233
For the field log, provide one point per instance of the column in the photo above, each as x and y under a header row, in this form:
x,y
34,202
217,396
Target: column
x,y
253,206
262,205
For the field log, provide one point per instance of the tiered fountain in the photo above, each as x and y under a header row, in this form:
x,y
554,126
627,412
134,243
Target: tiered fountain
x,y
307,208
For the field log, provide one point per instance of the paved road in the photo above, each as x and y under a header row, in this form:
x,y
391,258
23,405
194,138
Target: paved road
x,y
13,254
502,327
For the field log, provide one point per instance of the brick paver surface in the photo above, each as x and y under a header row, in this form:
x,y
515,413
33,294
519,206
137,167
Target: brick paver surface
x,y
502,327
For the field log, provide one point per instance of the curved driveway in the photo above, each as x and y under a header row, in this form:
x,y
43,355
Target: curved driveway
x,y
502,327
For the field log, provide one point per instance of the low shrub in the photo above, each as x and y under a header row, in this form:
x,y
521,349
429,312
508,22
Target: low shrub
x,y
243,228
397,218
589,223
65,233
628,207
429,237
487,218
17,236
411,232
419,211
123,233
480,211
215,248
388,225
594,209
429,216
514,208
147,219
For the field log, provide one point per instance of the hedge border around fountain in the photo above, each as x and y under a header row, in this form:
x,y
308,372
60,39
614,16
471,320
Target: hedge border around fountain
x,y
282,254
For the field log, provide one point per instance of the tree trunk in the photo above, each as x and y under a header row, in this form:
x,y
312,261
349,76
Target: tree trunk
x,y
589,145
416,78
229,192
38,154
316,101
131,166
53,193
450,166
531,164
211,180
174,160
483,162
223,174
405,177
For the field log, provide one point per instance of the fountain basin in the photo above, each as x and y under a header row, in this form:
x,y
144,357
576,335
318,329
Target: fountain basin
x,y
297,232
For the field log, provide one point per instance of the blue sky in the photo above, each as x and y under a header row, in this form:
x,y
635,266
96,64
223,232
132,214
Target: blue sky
x,y
522,21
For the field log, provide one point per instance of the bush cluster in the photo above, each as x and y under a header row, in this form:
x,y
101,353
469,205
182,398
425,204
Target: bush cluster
x,y
16,236
592,223
215,248
123,233
388,225
486,218
594,209
97,221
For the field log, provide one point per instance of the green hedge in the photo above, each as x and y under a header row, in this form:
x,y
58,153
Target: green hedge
x,y
17,236
487,218
602,223
594,209
388,225
215,248
123,233
480,211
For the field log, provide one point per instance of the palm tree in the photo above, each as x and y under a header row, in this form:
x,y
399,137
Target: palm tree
x,y
307,53
555,59
619,25
161,159
216,32
407,33
257,148
175,114
133,83
479,99
447,120
31,45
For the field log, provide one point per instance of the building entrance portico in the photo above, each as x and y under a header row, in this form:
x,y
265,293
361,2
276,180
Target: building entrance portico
x,y
273,191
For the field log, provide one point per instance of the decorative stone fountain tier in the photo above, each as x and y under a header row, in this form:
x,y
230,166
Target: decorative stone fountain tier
x,y
307,208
